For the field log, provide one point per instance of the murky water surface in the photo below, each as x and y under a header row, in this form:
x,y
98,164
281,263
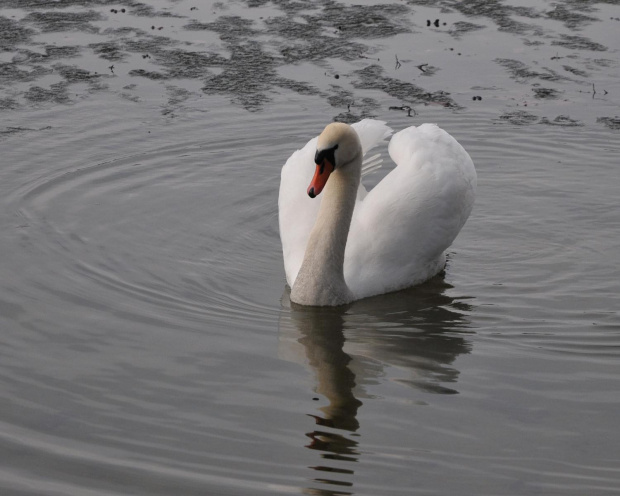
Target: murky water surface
x,y
148,345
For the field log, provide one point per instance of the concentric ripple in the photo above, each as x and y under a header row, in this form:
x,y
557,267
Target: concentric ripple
x,y
148,344
149,231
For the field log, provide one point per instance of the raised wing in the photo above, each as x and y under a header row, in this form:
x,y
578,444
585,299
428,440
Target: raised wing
x,y
402,227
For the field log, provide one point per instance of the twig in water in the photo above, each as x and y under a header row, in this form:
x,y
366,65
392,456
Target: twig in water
x,y
407,108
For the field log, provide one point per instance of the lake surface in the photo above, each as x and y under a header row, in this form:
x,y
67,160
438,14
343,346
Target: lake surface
x,y
148,343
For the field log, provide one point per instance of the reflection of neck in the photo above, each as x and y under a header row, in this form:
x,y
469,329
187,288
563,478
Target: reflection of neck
x,y
323,344
321,278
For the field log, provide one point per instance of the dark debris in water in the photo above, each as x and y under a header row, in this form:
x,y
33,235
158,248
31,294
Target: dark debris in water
x,y
521,72
523,118
610,122
498,12
572,13
341,98
367,105
575,71
531,42
11,73
546,93
230,28
57,93
288,6
297,86
190,65
248,75
132,7
152,75
303,44
346,21
8,104
53,21
51,53
73,74
13,33
61,52
176,97
153,44
145,10
351,117
355,109
292,28
460,28
424,3
8,131
330,32
364,108
561,120
362,21
372,77
321,49
570,18
108,50
578,43
605,62
57,4
404,108
519,118
427,69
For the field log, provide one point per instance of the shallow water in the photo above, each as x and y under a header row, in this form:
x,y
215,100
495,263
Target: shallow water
x,y
148,345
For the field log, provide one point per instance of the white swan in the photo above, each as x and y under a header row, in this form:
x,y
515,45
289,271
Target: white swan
x,y
349,244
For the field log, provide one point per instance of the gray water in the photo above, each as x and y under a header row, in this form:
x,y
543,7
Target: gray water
x,y
147,343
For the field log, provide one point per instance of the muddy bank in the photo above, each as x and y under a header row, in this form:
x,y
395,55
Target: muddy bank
x,y
402,54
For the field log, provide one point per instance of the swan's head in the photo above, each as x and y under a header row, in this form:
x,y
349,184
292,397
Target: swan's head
x,y
338,147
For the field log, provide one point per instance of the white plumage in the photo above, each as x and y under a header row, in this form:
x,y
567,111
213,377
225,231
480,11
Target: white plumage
x,y
400,229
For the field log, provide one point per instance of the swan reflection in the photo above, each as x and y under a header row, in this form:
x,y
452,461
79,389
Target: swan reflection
x,y
416,333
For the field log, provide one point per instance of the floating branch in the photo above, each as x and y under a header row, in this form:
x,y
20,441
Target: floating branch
x,y
407,108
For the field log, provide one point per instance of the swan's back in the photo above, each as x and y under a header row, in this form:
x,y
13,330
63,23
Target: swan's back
x,y
402,227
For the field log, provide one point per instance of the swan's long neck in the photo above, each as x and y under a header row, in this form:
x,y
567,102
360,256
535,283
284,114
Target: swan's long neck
x,y
320,280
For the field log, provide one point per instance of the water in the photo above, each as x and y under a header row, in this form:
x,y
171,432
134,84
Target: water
x,y
148,345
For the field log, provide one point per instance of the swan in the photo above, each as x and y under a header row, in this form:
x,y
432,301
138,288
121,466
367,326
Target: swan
x,y
341,243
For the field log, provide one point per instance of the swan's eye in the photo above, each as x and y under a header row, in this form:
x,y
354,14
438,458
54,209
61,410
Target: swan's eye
x,y
327,153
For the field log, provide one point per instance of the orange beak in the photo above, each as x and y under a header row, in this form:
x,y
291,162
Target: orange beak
x,y
321,175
